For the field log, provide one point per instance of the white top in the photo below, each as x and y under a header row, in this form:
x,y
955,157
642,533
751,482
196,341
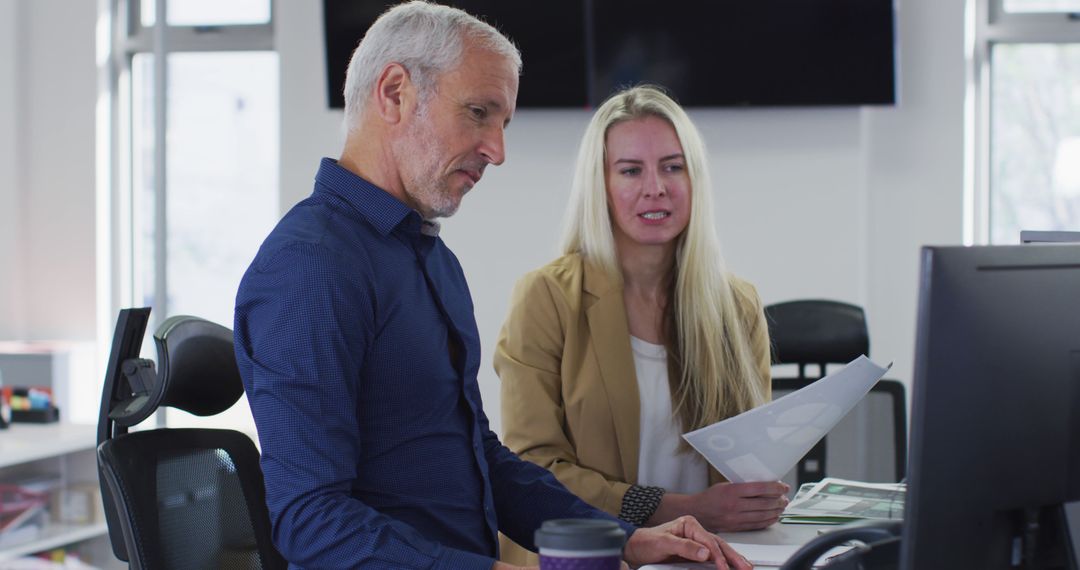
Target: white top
x,y
660,463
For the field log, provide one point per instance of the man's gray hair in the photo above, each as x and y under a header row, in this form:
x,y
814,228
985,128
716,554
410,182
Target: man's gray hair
x,y
426,39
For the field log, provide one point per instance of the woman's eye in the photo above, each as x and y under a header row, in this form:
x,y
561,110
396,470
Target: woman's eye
x,y
676,167
630,171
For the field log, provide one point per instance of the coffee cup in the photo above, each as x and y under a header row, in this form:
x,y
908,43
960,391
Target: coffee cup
x,y
580,544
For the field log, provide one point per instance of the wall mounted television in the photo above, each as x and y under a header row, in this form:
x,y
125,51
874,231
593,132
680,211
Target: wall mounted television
x,y
717,53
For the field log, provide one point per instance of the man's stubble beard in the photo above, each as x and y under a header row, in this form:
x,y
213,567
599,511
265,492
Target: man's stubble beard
x,y
425,185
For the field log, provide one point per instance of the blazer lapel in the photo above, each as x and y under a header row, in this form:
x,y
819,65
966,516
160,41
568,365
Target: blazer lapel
x,y
610,337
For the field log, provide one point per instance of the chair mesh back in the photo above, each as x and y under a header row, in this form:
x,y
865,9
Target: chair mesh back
x,y
202,516
189,496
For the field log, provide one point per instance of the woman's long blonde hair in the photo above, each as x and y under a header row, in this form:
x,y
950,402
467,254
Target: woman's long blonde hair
x,y
714,374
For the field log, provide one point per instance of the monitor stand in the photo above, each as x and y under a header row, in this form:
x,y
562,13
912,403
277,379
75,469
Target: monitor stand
x,y
1070,514
1046,538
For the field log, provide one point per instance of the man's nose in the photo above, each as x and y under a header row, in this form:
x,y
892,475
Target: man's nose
x,y
493,146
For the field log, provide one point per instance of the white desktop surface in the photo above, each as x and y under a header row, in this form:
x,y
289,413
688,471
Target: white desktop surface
x,y
779,533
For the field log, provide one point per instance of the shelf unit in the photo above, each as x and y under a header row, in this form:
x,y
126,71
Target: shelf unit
x,y
66,451
23,443
53,536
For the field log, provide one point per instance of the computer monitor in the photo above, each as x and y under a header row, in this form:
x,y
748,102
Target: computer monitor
x,y
1035,236
995,436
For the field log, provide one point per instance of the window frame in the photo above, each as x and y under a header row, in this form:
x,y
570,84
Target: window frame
x,y
128,39
988,24
121,36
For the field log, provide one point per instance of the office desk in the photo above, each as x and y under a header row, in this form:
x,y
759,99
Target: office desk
x,y
794,535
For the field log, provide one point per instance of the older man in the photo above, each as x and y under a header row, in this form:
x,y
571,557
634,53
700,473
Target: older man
x,y
355,331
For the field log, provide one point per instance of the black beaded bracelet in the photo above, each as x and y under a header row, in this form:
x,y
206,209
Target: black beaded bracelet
x,y
639,503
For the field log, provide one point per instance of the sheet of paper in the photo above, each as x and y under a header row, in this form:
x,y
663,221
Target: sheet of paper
x,y
841,499
766,442
758,554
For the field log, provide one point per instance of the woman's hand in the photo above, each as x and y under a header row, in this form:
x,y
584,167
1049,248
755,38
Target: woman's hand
x,y
682,538
728,507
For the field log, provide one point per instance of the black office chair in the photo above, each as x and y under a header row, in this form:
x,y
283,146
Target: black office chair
x,y
821,332
179,498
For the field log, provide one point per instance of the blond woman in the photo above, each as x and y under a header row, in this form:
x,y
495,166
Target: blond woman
x,y
637,334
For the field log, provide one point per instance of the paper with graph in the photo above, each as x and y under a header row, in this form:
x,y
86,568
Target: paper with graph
x,y
839,501
764,443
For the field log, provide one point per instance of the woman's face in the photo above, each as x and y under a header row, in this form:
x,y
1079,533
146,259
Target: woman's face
x,y
648,187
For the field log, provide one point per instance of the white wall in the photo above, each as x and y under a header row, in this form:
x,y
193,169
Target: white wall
x,y
914,158
822,202
308,131
10,294
830,202
57,110
47,181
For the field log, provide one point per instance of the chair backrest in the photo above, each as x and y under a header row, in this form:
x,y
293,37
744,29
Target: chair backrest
x,y
817,332
823,332
179,498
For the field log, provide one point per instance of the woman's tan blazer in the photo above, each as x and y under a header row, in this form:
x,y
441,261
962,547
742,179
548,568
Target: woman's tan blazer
x,y
569,389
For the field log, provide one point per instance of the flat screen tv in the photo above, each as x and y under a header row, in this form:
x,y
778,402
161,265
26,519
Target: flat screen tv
x,y
748,53
707,53
550,35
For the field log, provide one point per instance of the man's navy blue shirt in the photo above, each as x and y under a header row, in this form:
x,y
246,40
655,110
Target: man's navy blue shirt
x,y
358,347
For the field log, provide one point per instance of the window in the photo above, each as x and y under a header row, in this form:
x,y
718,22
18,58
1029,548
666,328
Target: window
x,y
207,12
1027,120
195,138
1036,6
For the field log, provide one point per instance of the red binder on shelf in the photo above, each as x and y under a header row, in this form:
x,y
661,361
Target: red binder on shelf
x,y
19,506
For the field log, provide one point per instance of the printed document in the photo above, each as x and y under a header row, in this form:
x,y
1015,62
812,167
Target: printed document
x,y
837,501
764,443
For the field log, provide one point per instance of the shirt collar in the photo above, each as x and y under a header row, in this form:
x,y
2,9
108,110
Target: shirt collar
x,y
430,228
378,206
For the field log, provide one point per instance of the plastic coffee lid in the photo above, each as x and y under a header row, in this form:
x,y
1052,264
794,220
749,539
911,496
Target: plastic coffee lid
x,y
580,534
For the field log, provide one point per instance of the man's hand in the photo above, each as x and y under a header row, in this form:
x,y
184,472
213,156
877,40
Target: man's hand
x,y
684,538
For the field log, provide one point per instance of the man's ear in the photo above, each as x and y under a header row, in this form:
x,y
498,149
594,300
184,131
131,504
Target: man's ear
x,y
394,93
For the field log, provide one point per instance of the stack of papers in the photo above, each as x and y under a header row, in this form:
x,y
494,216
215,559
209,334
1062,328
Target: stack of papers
x,y
838,501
